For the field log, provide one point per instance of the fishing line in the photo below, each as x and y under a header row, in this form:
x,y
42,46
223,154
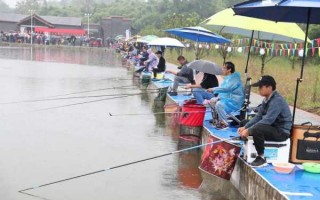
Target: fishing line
x,y
156,113
74,104
34,100
126,164
81,97
32,195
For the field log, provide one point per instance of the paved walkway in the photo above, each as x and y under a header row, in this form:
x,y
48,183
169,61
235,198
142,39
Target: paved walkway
x,y
301,115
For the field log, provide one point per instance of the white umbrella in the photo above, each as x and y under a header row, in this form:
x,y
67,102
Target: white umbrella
x,y
166,42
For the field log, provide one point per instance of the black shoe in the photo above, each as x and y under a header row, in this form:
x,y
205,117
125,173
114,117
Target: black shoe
x,y
173,93
259,162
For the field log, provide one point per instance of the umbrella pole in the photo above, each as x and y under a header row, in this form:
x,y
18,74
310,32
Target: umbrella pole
x,y
299,80
246,70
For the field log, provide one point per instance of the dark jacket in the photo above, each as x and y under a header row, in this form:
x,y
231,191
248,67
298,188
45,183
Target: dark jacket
x,y
161,64
145,56
186,72
275,112
209,81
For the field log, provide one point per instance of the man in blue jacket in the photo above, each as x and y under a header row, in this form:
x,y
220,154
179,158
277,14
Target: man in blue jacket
x,y
273,121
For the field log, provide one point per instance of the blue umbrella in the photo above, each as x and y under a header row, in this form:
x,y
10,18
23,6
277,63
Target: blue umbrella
x,y
198,34
298,11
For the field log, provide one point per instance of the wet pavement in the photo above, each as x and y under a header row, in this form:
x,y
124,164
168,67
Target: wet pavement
x,y
39,145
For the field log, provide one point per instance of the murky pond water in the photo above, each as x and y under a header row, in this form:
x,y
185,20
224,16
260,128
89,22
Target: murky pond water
x,y
45,141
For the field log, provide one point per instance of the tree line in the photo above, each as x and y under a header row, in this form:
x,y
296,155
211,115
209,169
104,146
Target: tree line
x,y
148,16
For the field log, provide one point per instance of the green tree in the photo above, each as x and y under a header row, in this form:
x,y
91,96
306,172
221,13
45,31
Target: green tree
x,y
177,20
24,6
147,16
314,31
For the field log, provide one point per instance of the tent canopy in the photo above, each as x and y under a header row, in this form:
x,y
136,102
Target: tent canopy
x,y
60,31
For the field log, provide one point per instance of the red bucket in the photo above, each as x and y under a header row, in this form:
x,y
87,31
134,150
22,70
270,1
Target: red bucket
x,y
192,114
190,101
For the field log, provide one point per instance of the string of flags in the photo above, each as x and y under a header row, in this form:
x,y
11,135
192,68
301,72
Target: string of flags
x,y
267,48
273,48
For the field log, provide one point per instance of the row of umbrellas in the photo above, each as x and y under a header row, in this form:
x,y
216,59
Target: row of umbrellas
x,y
295,11
227,22
259,19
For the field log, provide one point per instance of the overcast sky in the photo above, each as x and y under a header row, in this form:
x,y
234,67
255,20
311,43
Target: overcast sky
x,y
11,3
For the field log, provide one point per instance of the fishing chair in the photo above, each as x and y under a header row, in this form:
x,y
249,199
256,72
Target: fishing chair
x,y
240,117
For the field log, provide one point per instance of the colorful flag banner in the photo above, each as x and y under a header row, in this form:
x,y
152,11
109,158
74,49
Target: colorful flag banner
x,y
219,159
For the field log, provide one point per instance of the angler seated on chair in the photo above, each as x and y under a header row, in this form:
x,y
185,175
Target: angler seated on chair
x,y
208,81
230,94
273,121
145,57
161,67
185,75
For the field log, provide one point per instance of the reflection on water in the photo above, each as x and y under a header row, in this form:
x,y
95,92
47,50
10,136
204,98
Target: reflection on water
x,y
72,55
41,147
188,172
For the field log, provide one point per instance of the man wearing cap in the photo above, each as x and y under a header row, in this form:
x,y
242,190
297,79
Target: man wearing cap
x,y
161,67
273,121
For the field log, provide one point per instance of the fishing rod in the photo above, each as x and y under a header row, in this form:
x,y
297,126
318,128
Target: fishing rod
x,y
127,164
35,196
156,113
116,78
74,104
79,97
31,100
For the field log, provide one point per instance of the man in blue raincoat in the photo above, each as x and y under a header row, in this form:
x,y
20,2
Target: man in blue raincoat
x,y
230,94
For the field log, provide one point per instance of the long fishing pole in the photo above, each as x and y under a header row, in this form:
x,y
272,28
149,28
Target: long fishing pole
x,y
80,103
31,100
107,88
35,196
156,113
116,79
127,164
79,97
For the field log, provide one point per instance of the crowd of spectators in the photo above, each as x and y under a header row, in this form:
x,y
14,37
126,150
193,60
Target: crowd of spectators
x,y
45,39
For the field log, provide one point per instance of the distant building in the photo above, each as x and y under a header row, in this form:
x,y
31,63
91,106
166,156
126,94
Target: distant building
x,y
115,25
9,22
108,27
52,24
17,22
95,30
